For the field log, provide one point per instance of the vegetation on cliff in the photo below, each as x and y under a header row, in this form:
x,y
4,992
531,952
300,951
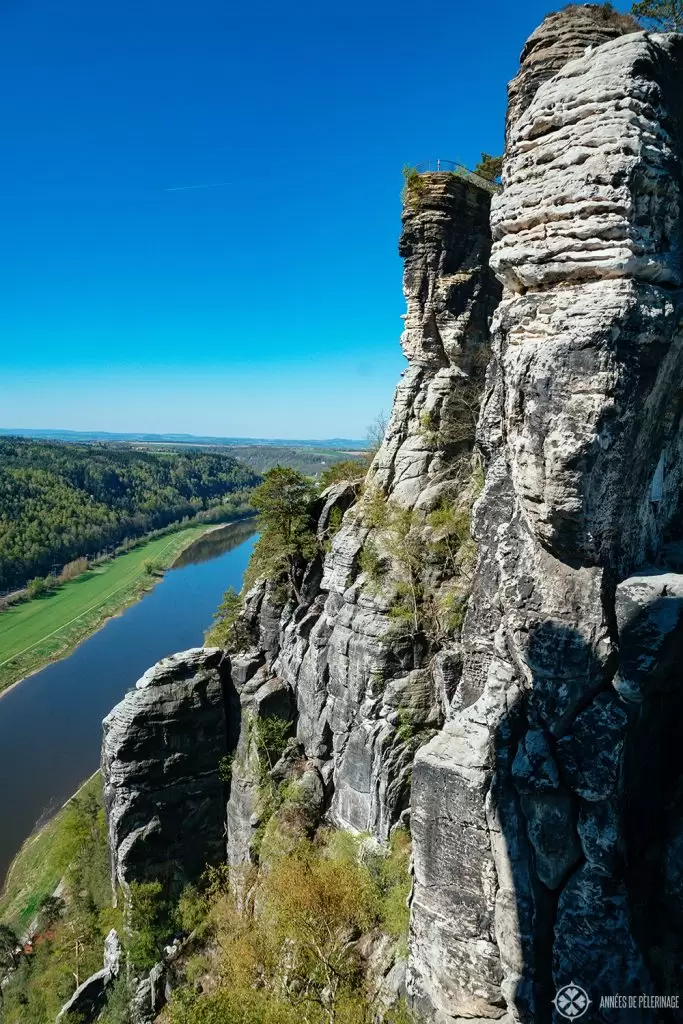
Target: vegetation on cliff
x,y
324,919
59,501
424,562
58,892
287,540
489,167
299,948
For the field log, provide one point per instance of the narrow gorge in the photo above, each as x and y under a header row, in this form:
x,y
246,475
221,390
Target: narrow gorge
x,y
485,647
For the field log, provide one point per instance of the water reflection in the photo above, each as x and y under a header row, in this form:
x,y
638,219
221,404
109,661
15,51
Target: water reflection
x,y
215,543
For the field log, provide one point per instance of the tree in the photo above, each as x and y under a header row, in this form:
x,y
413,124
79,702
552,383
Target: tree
x,y
348,469
150,921
50,910
287,539
665,15
229,629
375,433
489,167
313,907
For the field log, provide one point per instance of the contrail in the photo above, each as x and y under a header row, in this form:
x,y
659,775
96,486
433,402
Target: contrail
x,y
184,188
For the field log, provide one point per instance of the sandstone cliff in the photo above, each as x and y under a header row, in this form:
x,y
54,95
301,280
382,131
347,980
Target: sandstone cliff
x,y
532,747
161,752
539,831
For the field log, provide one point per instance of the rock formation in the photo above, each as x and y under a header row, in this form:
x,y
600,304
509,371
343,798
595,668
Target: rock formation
x,y
539,834
88,1000
363,695
161,752
532,748
561,37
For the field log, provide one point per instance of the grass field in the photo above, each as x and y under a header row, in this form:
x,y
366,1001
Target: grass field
x,y
49,627
38,868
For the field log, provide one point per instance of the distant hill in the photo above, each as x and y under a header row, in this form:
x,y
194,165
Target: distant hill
x,y
63,501
84,436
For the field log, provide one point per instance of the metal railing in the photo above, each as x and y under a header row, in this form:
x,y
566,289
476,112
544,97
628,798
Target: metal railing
x,y
440,166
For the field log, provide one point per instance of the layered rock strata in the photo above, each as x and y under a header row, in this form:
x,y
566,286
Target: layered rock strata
x,y
364,696
547,811
161,753
561,37
541,741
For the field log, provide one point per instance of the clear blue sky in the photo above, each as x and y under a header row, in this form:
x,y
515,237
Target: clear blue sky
x,y
268,307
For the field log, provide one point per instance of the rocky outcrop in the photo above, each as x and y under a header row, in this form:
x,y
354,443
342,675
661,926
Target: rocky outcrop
x,y
161,753
540,835
87,1002
532,748
364,696
562,36
262,696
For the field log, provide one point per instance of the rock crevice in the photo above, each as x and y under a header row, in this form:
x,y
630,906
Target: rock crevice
x,y
532,747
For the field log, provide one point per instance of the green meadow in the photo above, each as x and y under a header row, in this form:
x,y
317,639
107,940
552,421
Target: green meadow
x,y
49,627
39,867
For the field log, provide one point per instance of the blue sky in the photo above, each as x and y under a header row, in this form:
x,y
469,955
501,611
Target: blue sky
x,y
266,307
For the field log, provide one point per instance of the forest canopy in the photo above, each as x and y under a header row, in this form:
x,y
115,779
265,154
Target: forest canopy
x,y
60,501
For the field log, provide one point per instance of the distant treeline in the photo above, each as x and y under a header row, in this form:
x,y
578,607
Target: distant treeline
x,y
61,501
310,461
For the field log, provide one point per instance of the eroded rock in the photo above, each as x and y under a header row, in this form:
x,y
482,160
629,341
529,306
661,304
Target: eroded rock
x,y
161,752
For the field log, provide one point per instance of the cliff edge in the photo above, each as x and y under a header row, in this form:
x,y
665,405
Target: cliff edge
x,y
485,645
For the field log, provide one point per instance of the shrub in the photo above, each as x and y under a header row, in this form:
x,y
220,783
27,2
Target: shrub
x,y
229,629
37,587
225,767
395,885
295,958
192,908
270,734
118,1009
414,187
370,563
376,509
150,919
349,469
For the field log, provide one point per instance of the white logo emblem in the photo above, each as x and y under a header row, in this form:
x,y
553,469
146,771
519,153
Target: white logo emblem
x,y
571,1001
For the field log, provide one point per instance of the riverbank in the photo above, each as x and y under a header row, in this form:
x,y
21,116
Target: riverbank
x,y
49,628
39,866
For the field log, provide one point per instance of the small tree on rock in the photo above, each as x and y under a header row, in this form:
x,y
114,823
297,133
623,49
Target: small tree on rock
x,y
287,538
229,629
489,167
375,434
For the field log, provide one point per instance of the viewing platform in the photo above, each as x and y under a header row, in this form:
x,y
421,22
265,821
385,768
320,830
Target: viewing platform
x,y
440,166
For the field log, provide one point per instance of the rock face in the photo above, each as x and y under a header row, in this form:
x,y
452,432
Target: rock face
x,y
563,36
533,747
363,696
164,797
539,833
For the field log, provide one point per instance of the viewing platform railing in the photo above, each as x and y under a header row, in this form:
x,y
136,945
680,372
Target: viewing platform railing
x,y
440,166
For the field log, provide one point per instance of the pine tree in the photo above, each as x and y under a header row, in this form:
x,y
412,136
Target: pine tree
x,y
489,167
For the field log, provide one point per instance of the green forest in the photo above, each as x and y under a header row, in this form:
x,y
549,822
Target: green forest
x,y
60,501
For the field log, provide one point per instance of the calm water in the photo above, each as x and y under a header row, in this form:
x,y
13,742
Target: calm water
x,y
50,725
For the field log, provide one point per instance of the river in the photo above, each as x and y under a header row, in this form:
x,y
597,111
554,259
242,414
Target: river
x,y
50,725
